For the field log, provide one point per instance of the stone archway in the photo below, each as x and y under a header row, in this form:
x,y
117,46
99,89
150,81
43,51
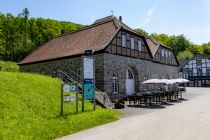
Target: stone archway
x,y
129,82
132,71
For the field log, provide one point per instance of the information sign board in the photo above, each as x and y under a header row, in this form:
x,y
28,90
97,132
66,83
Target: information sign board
x,y
88,68
70,87
88,89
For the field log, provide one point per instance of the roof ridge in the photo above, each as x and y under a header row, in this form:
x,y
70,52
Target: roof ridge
x,y
87,27
111,17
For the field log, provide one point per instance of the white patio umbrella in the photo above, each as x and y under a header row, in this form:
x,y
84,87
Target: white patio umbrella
x,y
180,80
168,82
157,82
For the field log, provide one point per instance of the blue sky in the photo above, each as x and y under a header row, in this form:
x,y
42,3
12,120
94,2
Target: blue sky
x,y
173,17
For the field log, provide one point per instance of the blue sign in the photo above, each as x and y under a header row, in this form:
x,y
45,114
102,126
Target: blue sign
x,y
88,52
88,89
88,81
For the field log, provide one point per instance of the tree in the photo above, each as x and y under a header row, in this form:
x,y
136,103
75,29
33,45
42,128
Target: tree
x,y
196,49
25,14
178,43
162,38
183,55
206,49
20,35
141,32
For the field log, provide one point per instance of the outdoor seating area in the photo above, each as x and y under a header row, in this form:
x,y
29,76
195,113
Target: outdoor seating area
x,y
157,91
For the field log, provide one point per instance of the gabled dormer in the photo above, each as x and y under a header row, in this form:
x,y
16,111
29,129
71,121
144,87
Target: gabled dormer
x,y
161,53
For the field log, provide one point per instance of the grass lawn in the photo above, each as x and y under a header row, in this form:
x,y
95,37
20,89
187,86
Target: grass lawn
x,y
8,66
30,107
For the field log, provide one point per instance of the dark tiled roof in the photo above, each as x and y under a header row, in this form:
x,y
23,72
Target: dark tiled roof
x,y
185,61
154,45
200,56
93,37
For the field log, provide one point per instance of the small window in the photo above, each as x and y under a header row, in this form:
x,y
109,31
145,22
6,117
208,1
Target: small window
x,y
115,84
190,72
132,43
163,51
169,54
208,72
130,75
123,40
166,53
140,45
199,62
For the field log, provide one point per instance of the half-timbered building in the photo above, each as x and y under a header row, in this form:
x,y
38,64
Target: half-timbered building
x,y
124,59
197,70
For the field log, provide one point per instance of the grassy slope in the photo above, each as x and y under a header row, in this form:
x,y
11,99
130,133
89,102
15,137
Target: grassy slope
x,y
8,66
30,105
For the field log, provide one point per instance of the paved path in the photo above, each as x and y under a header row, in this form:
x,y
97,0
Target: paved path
x,y
188,120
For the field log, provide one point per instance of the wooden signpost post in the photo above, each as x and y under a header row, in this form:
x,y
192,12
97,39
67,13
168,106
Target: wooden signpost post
x,y
69,87
88,79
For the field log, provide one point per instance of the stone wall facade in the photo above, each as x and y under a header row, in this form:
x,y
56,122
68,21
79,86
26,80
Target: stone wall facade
x,y
115,64
107,65
74,64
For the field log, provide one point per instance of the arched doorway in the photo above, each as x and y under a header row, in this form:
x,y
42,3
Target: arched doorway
x,y
130,83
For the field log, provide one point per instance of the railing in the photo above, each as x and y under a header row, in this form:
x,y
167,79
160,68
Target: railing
x,y
72,76
199,77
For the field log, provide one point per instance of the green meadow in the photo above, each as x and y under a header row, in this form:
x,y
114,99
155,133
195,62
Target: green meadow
x,y
30,109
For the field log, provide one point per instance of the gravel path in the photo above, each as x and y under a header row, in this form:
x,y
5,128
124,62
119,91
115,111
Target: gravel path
x,y
186,120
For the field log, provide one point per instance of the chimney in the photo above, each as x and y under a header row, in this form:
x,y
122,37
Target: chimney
x,y
120,18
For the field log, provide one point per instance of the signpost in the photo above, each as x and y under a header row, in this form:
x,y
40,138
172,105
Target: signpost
x,y
69,87
88,66
88,82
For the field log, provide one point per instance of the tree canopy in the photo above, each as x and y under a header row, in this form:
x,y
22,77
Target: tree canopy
x,y
20,35
181,46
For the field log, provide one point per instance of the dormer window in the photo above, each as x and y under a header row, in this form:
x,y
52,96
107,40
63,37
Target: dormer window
x,y
132,43
123,40
199,62
139,45
169,54
166,53
163,53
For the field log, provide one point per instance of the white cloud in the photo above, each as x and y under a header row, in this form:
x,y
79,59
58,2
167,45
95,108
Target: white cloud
x,y
149,14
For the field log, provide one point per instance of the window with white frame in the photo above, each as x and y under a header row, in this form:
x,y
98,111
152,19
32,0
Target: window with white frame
x,y
169,54
132,41
115,84
208,72
123,40
163,52
140,45
166,53
199,62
